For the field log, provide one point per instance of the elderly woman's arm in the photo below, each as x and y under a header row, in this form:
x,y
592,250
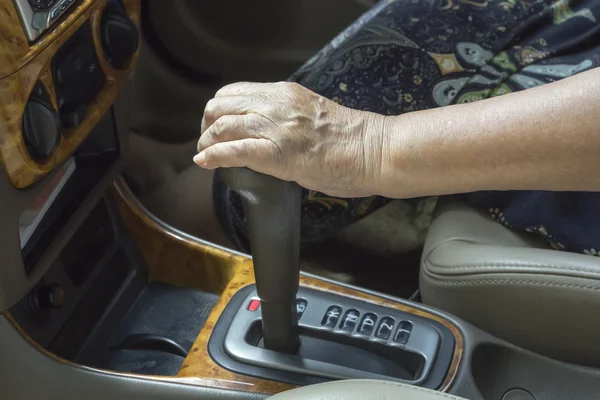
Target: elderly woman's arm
x,y
547,138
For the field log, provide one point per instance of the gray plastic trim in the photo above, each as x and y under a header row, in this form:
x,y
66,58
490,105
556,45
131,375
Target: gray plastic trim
x,y
425,341
15,283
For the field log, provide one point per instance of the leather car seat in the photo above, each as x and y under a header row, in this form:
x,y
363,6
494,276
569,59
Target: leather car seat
x,y
363,390
512,285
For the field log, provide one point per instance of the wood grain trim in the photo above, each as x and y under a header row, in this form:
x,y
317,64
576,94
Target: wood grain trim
x,y
153,239
199,364
172,258
15,50
15,89
199,368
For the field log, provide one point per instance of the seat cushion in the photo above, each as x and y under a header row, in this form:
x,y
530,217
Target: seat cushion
x,y
363,390
512,285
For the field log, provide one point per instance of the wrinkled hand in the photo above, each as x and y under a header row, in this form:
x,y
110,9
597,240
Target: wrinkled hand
x,y
287,131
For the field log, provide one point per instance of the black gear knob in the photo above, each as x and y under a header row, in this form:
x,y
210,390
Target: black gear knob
x,y
272,209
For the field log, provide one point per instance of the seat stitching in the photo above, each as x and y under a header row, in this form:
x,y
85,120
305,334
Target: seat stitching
x,y
516,281
516,266
414,388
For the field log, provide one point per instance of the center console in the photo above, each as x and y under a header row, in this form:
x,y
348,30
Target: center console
x,y
340,338
102,299
63,112
280,331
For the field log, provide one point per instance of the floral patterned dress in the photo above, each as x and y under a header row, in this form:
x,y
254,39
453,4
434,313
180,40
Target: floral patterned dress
x,y
409,55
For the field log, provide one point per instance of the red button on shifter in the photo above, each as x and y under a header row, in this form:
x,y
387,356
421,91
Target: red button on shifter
x,y
254,304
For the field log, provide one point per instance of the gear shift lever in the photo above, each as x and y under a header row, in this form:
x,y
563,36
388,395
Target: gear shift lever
x,y
272,209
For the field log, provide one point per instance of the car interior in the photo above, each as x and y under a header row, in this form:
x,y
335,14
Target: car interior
x,y
119,279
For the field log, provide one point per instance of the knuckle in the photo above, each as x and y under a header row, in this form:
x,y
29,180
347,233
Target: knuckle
x,y
210,108
220,125
252,123
293,87
244,150
207,138
209,154
225,89
214,154
239,149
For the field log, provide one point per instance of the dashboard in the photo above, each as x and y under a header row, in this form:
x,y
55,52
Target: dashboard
x,y
38,15
65,66
65,86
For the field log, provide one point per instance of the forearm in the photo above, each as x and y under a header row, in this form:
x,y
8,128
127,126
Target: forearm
x,y
547,138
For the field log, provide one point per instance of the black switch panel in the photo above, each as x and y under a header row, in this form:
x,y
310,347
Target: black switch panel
x,y
301,305
350,320
367,324
77,75
385,328
37,5
332,316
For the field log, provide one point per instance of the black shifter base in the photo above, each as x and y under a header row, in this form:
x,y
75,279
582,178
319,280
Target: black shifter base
x,y
342,338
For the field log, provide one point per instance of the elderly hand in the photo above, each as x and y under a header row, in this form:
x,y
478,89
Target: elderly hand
x,y
287,131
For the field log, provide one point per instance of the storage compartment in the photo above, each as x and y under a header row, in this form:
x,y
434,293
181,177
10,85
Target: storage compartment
x,y
155,334
96,307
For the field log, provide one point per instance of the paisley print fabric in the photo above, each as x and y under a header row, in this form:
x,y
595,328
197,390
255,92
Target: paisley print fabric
x,y
408,55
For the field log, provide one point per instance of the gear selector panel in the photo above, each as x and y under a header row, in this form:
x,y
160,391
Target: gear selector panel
x,y
341,338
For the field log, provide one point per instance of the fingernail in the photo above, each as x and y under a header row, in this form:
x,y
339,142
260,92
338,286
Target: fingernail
x,y
200,158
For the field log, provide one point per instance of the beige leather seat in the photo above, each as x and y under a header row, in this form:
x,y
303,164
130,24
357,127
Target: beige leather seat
x,y
512,285
363,390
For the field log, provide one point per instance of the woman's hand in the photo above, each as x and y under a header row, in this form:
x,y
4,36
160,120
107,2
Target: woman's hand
x,y
287,131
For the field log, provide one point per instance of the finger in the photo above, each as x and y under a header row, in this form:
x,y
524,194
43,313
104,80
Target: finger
x,y
221,106
230,128
256,154
243,88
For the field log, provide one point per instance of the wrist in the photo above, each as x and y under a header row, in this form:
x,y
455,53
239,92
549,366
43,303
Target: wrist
x,y
374,148
398,174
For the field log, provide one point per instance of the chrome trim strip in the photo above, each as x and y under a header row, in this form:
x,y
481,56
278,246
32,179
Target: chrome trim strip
x,y
37,22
